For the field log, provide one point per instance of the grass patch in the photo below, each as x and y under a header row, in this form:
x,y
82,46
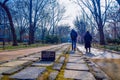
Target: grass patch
x,y
47,73
61,73
50,69
114,47
21,46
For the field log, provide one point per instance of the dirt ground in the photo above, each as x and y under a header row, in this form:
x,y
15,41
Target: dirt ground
x,y
8,55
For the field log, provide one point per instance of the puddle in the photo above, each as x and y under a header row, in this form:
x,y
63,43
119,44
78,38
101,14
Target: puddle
x,y
110,66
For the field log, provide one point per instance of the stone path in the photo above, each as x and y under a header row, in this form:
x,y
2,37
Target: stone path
x,y
30,73
76,68
80,75
30,66
99,54
106,60
8,55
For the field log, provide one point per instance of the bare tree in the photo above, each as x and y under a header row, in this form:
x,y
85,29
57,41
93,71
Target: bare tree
x,y
113,15
118,1
20,18
5,7
81,26
96,9
56,13
37,10
63,31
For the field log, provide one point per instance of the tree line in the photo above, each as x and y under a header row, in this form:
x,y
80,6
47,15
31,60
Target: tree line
x,y
100,17
34,20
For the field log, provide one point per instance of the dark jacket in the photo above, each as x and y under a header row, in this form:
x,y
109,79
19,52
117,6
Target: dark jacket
x,y
87,40
73,35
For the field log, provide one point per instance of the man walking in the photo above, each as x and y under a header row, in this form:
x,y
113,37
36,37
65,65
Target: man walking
x,y
73,35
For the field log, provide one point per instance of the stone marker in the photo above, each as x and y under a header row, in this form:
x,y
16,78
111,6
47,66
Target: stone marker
x,y
80,75
48,55
30,73
76,66
43,63
4,69
14,63
57,66
53,75
61,60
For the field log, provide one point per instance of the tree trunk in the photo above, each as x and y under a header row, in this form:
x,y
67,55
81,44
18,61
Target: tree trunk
x,y
20,37
30,24
31,35
101,35
118,1
21,34
11,24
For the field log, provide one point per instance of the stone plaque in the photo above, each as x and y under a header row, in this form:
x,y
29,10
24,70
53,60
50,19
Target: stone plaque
x,y
48,55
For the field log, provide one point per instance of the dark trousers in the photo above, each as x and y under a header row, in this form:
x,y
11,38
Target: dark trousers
x,y
87,49
73,45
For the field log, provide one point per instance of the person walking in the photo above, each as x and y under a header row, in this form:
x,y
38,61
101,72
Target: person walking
x,y
87,41
73,35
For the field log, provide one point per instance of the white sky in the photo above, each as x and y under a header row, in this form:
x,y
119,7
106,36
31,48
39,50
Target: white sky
x,y
72,11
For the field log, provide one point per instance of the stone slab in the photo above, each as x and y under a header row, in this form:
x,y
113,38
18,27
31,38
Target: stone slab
x,y
4,69
53,75
14,63
29,59
80,75
57,66
35,56
13,70
72,52
75,55
76,60
62,59
1,77
42,63
58,53
76,66
30,73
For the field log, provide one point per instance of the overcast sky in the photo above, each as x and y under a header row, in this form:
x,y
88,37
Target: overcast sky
x,y
71,11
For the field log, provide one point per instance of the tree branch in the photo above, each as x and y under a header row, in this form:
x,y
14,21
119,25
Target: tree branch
x,y
5,2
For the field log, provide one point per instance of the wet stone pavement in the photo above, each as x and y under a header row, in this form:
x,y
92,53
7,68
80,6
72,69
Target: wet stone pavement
x,y
78,66
107,60
30,67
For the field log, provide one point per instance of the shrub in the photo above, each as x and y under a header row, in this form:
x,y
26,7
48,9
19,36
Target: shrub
x,y
51,39
113,41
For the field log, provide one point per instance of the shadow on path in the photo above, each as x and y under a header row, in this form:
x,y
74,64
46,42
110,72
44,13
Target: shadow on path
x,y
88,54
